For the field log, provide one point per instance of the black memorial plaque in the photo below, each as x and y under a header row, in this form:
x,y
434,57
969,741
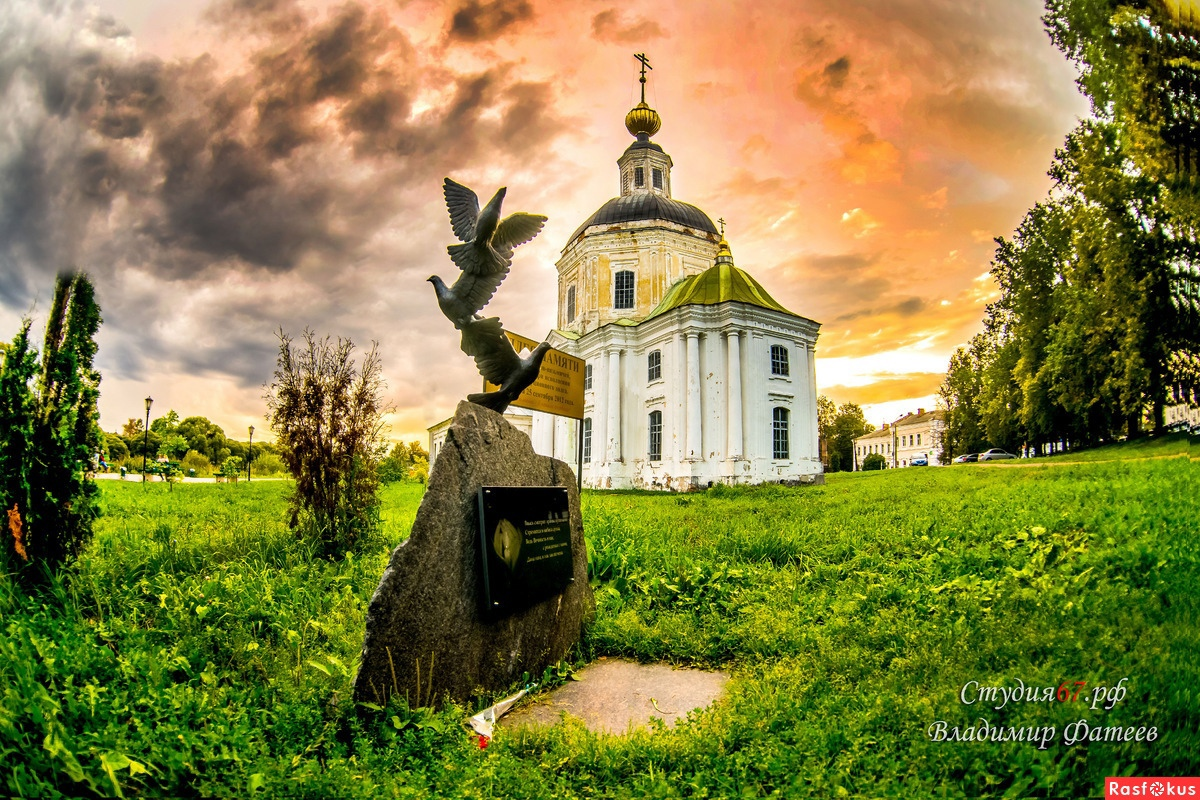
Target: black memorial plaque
x,y
525,546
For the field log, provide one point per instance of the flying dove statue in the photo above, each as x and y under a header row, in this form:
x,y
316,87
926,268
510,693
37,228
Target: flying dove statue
x,y
486,252
498,362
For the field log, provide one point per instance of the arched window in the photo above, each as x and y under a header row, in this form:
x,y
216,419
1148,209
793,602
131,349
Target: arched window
x,y
779,433
655,428
587,440
623,292
779,360
654,366
570,304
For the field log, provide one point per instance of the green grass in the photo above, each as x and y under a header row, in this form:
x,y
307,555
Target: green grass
x,y
202,650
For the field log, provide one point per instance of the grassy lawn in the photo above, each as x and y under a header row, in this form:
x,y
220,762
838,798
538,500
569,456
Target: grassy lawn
x,y
201,650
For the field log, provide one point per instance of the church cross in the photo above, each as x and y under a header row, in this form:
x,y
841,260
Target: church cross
x,y
645,66
721,222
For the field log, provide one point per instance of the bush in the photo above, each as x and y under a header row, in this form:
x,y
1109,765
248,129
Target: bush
x,y
267,464
198,462
875,461
327,415
48,434
231,467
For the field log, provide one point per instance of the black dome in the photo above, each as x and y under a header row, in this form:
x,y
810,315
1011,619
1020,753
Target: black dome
x,y
650,207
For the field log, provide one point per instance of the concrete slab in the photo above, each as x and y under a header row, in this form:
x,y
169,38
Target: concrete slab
x,y
615,696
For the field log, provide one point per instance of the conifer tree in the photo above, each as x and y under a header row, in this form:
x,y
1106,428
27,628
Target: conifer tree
x,y
48,434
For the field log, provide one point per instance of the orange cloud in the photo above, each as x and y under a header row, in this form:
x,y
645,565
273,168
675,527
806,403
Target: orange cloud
x,y
886,387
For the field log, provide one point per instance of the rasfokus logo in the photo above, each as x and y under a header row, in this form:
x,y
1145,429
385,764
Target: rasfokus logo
x,y
1151,787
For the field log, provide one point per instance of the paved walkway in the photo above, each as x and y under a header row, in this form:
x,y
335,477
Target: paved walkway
x,y
136,478
614,696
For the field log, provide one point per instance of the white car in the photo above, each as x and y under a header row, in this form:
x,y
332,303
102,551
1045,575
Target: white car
x,y
995,454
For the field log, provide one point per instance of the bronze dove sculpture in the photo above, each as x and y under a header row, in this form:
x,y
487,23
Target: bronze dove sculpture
x,y
498,362
486,252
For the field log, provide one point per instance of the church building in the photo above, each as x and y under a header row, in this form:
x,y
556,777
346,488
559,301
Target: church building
x,y
694,374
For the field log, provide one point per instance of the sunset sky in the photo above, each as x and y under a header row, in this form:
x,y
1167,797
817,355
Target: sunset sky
x,y
223,169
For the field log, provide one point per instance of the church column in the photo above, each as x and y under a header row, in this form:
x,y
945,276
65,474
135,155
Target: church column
x,y
677,397
614,405
695,448
734,418
803,443
812,402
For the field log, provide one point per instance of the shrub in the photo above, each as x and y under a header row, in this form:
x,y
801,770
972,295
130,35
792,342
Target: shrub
x,y
327,415
268,464
48,434
873,462
231,467
197,461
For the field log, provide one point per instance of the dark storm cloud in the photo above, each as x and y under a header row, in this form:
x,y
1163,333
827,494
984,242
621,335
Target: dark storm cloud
x,y
611,26
836,71
478,22
193,172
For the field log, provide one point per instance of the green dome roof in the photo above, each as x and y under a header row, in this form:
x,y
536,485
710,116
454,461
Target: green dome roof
x,y
719,283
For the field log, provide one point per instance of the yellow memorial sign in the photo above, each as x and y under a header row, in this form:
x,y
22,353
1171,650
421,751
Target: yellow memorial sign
x,y
559,387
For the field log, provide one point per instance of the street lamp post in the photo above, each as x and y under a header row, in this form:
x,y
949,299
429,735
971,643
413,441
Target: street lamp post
x,y
146,437
250,455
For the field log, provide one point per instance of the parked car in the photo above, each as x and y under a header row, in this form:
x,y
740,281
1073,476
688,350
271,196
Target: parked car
x,y
967,458
921,460
995,454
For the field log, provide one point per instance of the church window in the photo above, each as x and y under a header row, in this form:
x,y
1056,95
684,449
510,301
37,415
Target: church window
x,y
570,304
656,174
779,431
587,377
655,436
779,360
623,296
639,177
654,364
587,440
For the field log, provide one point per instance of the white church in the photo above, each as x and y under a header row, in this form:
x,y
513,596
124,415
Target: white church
x,y
694,374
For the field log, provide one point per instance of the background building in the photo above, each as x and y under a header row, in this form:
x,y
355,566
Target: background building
x,y
909,437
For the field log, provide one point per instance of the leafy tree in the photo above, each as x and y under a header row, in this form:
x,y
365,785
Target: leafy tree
x,y
873,462
132,428
48,433
1098,321
146,443
826,411
400,464
205,437
847,425
174,445
326,413
960,394
116,447
167,424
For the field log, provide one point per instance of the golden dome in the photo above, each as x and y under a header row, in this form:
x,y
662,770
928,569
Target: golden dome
x,y
642,119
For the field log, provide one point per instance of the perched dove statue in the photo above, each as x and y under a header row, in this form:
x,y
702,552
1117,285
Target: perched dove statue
x,y
498,362
486,252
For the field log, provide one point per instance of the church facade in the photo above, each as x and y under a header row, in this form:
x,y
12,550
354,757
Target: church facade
x,y
694,374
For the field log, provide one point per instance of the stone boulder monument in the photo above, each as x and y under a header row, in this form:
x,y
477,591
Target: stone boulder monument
x,y
492,581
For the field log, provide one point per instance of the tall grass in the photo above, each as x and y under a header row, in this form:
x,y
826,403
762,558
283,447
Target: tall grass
x,y
201,649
